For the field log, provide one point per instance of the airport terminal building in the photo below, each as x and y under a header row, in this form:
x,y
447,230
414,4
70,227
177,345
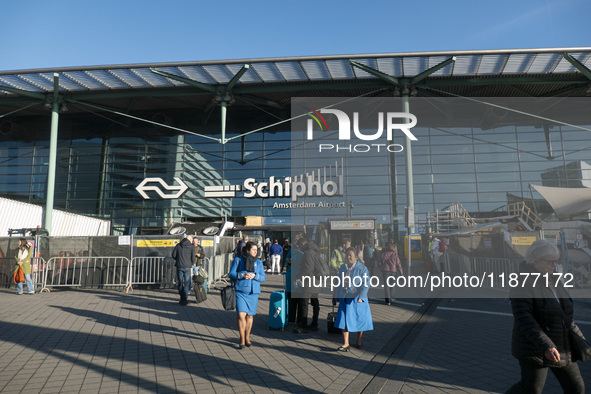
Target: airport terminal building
x,y
149,145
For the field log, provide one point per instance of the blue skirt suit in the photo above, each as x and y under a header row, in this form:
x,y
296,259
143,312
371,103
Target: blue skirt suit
x,y
247,290
352,315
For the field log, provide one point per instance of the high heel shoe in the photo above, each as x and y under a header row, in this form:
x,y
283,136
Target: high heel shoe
x,y
343,349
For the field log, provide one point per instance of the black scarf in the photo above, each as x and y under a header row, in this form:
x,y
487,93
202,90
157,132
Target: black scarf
x,y
249,262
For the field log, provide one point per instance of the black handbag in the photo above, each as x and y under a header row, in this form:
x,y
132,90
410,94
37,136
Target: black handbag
x,y
228,298
579,347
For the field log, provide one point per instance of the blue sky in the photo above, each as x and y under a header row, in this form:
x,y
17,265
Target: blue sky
x,y
65,33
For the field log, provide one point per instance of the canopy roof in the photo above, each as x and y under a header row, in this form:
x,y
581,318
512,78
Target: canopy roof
x,y
566,202
272,82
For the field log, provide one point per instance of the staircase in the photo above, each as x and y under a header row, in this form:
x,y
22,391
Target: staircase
x,y
453,218
525,215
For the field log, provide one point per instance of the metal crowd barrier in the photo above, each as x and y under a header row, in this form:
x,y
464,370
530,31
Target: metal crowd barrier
x,y
154,271
100,272
85,272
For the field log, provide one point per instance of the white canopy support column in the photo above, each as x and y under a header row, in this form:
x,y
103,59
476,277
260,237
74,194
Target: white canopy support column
x,y
48,216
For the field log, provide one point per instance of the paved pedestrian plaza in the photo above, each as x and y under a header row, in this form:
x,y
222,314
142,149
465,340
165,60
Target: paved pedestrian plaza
x,y
107,341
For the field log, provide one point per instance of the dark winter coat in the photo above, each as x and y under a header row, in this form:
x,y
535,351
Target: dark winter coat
x,y
539,321
184,254
307,266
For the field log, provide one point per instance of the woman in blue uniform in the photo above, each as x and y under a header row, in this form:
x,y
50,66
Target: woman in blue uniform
x,y
353,314
248,272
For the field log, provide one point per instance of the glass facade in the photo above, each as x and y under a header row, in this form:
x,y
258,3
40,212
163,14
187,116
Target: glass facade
x,y
461,158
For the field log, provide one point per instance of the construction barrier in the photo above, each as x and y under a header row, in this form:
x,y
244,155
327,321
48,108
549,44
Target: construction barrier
x,y
97,272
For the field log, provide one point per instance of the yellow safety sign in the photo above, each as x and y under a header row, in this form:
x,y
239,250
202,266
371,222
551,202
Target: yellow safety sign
x,y
156,243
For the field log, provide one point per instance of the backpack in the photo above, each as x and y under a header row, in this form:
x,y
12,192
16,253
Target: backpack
x,y
441,246
368,252
320,266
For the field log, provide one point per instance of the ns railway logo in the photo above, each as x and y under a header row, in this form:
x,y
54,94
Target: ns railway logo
x,y
386,122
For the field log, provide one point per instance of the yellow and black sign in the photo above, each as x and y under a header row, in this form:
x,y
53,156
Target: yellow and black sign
x,y
525,241
156,243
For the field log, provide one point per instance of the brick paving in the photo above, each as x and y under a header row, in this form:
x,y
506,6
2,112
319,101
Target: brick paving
x,y
105,341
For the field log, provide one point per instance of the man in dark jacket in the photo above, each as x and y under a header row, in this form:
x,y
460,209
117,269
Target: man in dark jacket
x,y
184,254
309,295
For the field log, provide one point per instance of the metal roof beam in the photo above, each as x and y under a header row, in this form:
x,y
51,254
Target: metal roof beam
x,y
566,80
560,92
188,81
38,96
237,77
257,100
426,73
578,65
384,77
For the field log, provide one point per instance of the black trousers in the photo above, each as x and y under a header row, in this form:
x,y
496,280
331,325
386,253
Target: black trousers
x,y
293,306
533,378
303,311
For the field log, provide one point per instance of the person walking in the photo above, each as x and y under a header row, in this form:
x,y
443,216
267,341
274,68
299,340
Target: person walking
x,y
23,260
391,269
248,273
436,254
354,314
543,316
307,267
184,255
199,256
276,251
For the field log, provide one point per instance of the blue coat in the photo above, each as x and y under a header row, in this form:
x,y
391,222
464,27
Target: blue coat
x,y
248,286
353,315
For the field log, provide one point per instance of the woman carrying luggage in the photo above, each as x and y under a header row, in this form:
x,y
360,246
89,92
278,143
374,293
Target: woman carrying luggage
x,y
23,260
248,272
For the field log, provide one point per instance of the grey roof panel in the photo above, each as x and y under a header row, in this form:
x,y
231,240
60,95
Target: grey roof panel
x,y
466,65
544,63
107,78
291,70
268,72
84,79
366,62
340,68
151,78
219,72
414,65
492,64
518,63
316,69
196,73
15,81
390,65
130,78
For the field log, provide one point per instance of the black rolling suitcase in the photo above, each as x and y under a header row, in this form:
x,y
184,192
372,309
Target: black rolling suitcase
x,y
330,322
200,293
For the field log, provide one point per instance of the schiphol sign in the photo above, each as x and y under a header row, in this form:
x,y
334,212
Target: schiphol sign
x,y
294,188
345,126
